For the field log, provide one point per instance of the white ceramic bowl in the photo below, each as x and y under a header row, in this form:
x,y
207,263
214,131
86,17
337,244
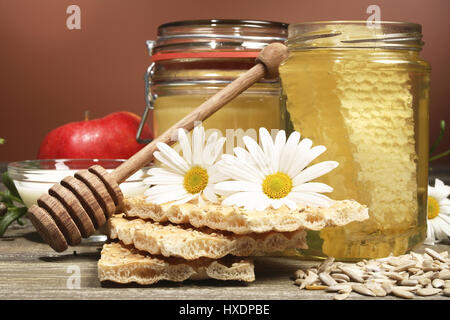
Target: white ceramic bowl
x,y
34,177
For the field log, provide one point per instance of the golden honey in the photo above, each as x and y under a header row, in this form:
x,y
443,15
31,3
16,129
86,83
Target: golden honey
x,y
247,112
363,93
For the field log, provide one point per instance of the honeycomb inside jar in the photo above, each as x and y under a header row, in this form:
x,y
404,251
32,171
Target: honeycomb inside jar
x,y
369,107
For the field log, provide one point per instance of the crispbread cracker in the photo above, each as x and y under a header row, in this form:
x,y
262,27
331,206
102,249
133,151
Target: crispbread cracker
x,y
184,242
240,221
125,264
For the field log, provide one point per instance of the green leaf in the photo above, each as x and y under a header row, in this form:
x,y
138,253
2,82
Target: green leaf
x,y
9,184
2,141
10,216
439,138
5,196
443,154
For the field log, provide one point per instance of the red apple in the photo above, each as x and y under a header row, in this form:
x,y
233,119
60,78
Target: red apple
x,y
111,137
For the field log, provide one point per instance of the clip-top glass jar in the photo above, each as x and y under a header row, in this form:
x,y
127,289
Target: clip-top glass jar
x,y
362,91
192,60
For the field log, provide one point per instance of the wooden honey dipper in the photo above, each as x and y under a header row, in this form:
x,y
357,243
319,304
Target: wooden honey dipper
x,y
77,206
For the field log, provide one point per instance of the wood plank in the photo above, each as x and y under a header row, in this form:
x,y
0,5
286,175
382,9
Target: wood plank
x,y
29,269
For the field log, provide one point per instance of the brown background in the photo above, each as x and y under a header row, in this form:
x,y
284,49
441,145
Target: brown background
x,y
50,75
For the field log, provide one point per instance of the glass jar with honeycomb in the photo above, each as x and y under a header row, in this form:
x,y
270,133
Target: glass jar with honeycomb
x,y
363,91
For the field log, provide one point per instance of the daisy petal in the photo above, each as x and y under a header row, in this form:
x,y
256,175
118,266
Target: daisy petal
x,y
164,197
289,151
310,198
161,171
218,150
244,156
442,191
185,145
188,197
314,171
237,186
166,162
161,179
290,203
268,147
162,189
198,138
257,154
301,157
173,156
309,156
313,187
239,170
210,194
445,210
276,203
248,200
208,150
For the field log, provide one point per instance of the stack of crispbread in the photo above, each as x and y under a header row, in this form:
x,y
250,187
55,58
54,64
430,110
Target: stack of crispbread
x,y
192,241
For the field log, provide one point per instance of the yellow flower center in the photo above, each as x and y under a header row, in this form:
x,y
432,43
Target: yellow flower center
x,y
433,208
277,185
195,180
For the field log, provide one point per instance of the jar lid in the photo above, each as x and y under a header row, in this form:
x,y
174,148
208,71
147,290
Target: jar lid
x,y
216,38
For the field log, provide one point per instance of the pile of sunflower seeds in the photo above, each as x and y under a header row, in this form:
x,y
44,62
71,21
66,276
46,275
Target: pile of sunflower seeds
x,y
405,276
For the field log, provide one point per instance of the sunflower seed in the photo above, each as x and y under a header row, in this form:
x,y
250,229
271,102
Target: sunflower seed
x,y
373,268
408,282
337,287
438,283
299,274
416,277
353,274
298,282
394,276
341,296
399,292
444,275
325,265
447,283
427,292
376,289
340,276
361,289
327,279
427,263
409,288
387,286
424,281
434,275
315,287
310,279
414,270
405,266
434,254
417,257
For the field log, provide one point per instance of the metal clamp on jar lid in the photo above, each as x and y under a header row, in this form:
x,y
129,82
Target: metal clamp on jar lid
x,y
198,44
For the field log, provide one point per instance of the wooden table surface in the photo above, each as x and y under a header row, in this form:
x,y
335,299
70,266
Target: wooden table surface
x,y
30,269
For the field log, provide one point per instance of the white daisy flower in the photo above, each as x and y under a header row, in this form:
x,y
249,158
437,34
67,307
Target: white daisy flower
x,y
187,177
274,174
438,223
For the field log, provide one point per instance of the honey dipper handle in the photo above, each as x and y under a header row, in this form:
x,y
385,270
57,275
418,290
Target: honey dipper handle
x,y
268,61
